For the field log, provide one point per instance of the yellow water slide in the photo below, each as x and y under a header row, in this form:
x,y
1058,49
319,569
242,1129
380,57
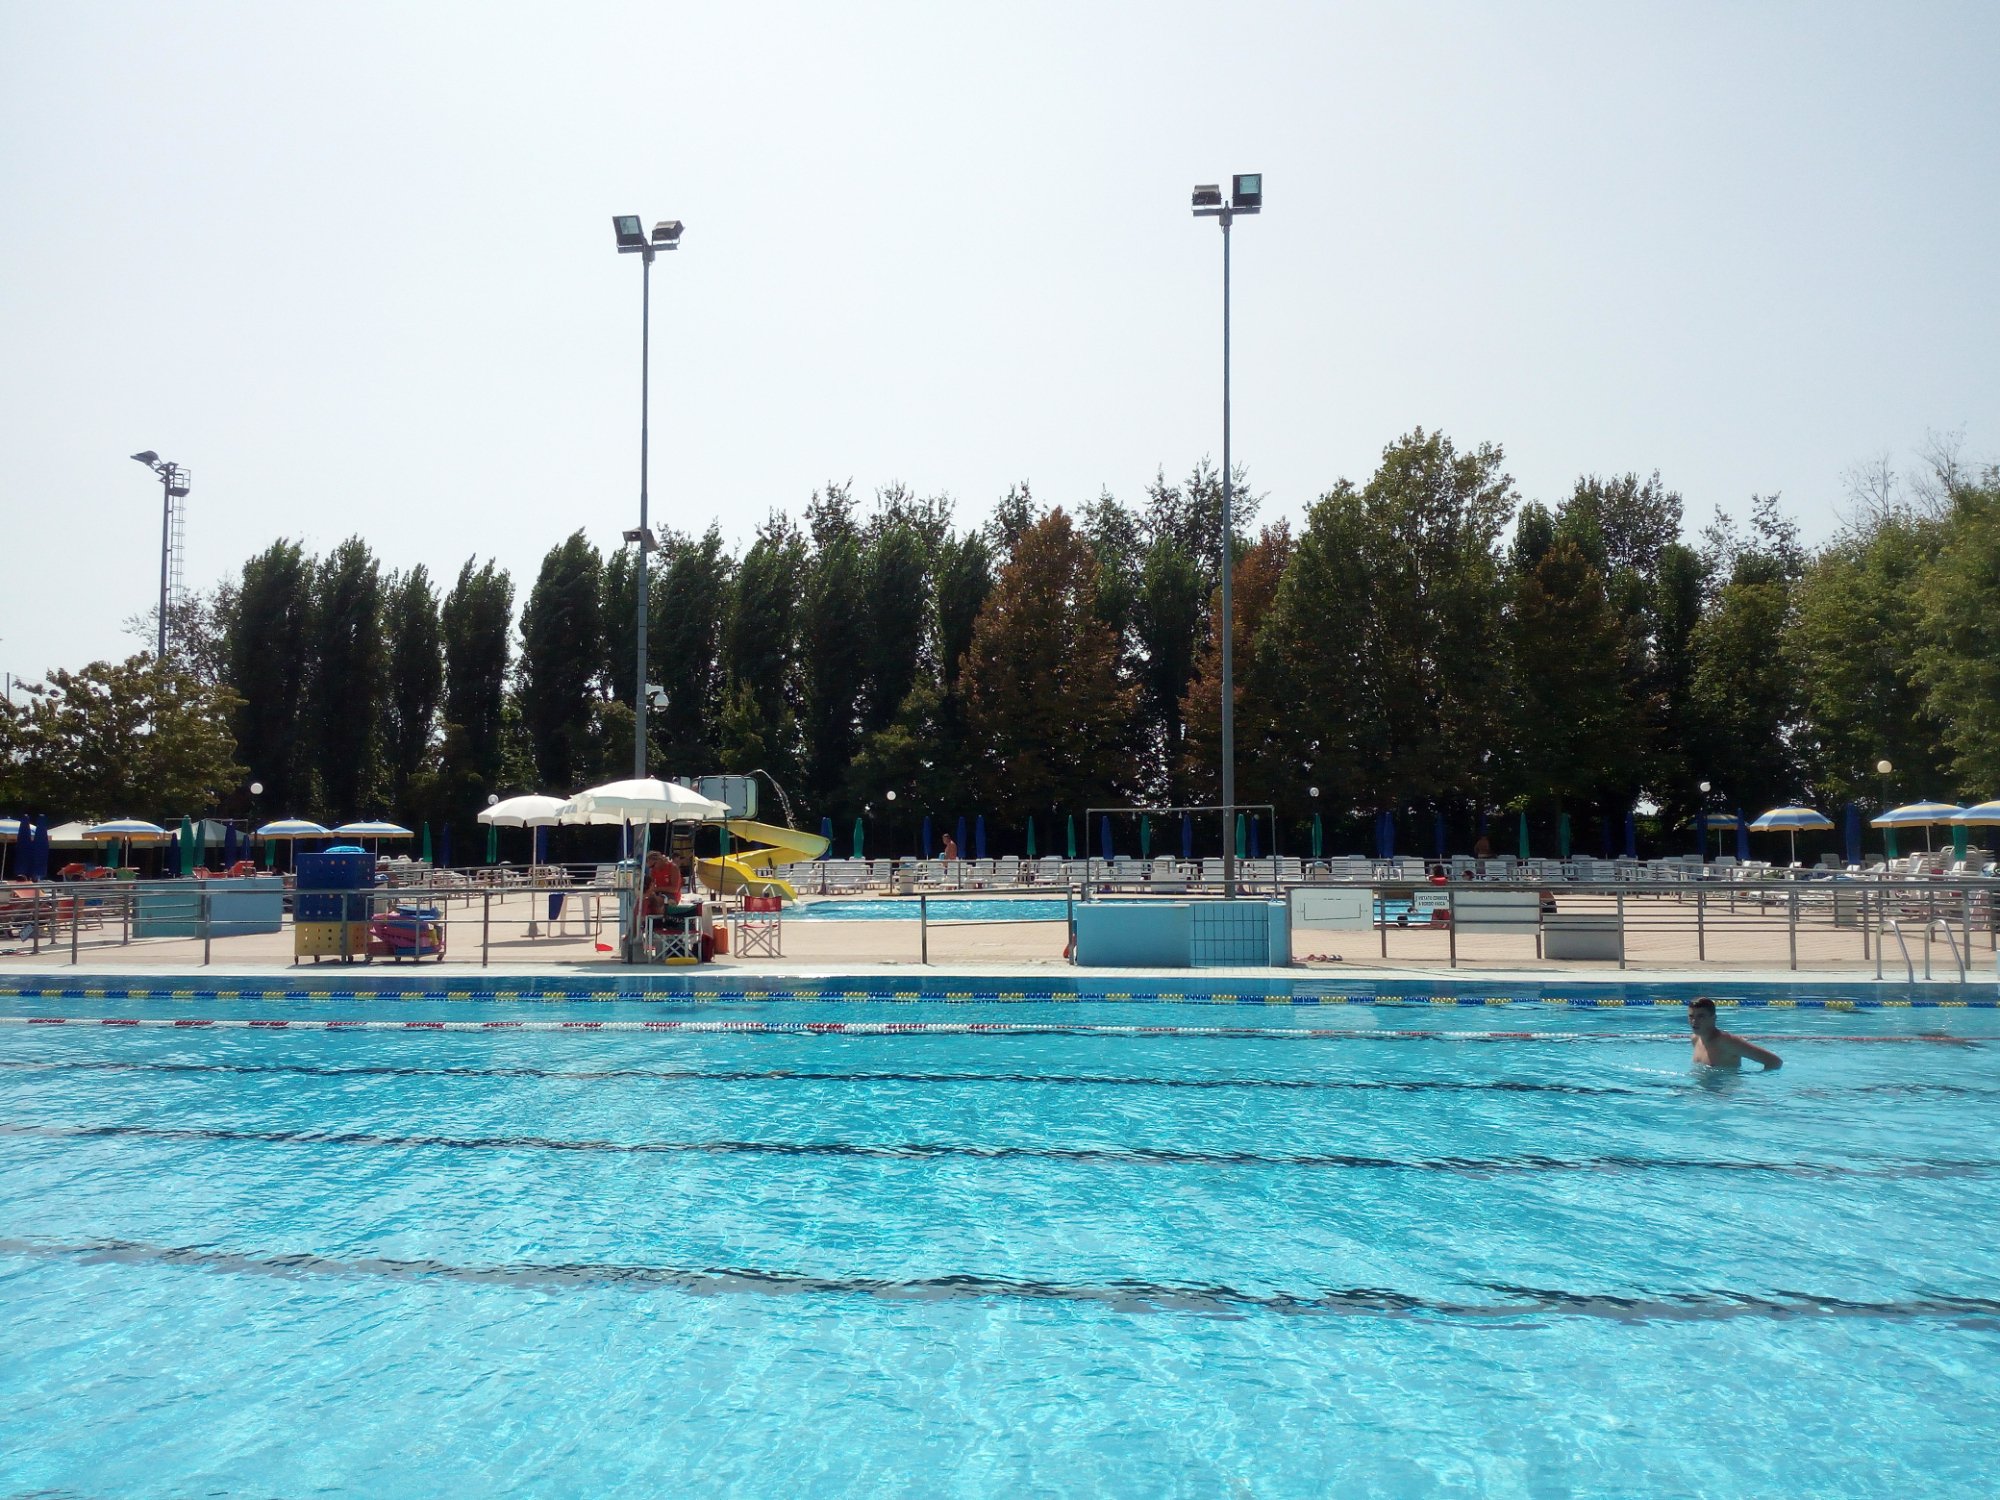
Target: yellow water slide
x,y
752,866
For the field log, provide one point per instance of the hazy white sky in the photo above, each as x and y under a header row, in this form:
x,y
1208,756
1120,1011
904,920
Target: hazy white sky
x,y
353,264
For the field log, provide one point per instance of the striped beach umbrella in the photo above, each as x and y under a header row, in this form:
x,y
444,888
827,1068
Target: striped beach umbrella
x,y
1924,815
1792,820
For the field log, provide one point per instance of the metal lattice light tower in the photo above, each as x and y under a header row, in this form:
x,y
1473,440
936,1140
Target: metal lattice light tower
x,y
1246,196
632,240
174,484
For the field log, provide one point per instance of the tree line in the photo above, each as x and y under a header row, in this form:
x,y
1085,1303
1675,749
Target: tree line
x,y
1424,642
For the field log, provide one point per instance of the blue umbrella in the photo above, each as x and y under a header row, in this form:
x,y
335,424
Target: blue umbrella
x,y
542,845
1742,838
979,837
444,847
1253,839
1187,837
1437,831
1604,828
826,832
924,843
1852,831
1631,838
1104,833
228,845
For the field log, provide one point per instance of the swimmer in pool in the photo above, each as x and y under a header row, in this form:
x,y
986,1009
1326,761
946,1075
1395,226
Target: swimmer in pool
x,y
1716,1048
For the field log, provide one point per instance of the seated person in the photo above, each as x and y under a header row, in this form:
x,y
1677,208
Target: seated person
x,y
663,884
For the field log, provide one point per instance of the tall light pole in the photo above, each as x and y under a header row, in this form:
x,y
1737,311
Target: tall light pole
x,y
174,483
633,241
1246,196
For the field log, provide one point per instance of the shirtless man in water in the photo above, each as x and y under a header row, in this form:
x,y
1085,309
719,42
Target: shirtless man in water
x,y
1716,1048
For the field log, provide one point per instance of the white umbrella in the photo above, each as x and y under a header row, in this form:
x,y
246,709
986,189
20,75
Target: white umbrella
x,y
532,811
641,801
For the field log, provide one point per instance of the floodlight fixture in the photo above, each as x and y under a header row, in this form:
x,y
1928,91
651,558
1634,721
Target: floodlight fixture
x,y
667,234
1246,192
630,232
146,456
1207,195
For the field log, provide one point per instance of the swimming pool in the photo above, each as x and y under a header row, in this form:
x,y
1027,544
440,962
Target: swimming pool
x,y
1057,1260
936,908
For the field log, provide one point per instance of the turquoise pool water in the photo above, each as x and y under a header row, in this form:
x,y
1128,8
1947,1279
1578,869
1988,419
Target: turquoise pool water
x,y
1064,1261
937,908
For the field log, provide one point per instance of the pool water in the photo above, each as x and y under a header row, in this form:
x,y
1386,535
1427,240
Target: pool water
x,y
1061,1261
936,909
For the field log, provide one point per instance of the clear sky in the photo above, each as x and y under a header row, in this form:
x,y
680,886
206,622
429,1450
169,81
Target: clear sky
x,y
352,264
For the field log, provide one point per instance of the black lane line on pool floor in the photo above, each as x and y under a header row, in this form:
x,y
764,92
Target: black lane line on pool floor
x,y
800,1075
929,1151
1527,1305
1061,1080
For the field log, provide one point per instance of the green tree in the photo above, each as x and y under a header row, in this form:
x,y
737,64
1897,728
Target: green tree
x,y
1168,625
832,663
561,651
1574,735
268,665
416,681
349,670
1265,770
895,565
689,607
1857,638
477,626
120,739
1959,661
1049,718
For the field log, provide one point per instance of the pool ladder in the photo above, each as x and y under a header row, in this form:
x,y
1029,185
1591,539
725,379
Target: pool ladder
x,y
1938,924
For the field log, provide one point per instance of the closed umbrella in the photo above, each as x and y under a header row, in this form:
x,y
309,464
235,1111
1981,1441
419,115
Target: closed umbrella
x,y
1255,853
961,835
826,832
1524,833
424,849
1319,838
1958,840
925,843
187,845
1437,831
492,844
1145,836
1742,839
1791,820
228,845
1031,835
1187,836
1069,835
1104,834
979,836
1242,837
857,837
1701,835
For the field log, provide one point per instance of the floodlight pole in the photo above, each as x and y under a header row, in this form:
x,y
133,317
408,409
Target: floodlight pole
x,y
645,535
1246,196
1228,609
166,472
